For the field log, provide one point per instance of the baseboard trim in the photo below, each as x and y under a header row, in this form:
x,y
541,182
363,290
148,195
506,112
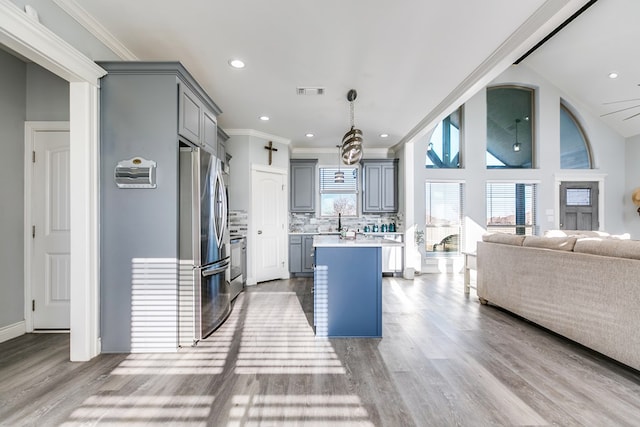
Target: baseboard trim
x,y
12,331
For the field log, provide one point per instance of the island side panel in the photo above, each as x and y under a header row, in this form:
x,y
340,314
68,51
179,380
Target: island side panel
x,y
348,291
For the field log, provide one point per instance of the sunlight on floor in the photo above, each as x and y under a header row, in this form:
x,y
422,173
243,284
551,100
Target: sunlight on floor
x,y
145,410
298,410
277,339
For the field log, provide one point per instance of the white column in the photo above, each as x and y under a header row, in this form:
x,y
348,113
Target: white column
x,y
411,255
84,157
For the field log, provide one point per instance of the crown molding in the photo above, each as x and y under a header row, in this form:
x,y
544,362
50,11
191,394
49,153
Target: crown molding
x,y
258,134
371,153
32,40
73,9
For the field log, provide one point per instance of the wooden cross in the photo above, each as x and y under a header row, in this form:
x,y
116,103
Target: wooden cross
x,y
271,150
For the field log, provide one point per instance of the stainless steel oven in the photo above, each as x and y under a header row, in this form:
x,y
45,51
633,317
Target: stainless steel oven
x,y
238,265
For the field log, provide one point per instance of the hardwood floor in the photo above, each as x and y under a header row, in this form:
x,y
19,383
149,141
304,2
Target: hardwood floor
x,y
445,360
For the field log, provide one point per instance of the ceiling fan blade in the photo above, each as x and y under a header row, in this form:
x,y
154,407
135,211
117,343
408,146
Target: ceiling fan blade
x,y
623,100
618,111
631,117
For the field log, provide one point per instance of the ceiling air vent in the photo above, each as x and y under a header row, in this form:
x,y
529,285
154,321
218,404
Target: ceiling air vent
x,y
310,90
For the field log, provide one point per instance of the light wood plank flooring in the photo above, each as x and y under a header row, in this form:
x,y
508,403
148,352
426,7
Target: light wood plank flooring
x,y
445,360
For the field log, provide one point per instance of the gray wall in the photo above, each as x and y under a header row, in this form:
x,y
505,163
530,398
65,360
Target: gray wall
x,y
28,93
631,217
12,116
139,118
47,95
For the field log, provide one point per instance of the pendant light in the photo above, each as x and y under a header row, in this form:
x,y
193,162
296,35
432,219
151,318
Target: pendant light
x,y
338,177
516,145
352,140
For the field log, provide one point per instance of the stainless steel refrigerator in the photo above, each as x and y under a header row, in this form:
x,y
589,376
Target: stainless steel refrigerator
x,y
205,299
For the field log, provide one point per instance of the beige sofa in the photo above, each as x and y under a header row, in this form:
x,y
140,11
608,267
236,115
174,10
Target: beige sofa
x,y
583,287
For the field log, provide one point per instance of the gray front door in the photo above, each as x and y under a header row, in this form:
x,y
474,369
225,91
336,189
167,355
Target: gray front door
x,y
579,205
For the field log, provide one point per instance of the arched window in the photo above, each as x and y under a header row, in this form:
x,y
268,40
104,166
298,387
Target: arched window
x,y
443,150
510,127
575,152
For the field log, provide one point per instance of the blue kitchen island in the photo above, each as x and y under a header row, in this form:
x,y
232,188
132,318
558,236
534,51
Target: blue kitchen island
x,y
348,286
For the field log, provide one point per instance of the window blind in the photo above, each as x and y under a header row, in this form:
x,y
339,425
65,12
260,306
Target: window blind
x,y
328,184
511,207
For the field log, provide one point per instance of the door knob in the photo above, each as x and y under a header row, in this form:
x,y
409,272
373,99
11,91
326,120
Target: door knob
x,y
259,231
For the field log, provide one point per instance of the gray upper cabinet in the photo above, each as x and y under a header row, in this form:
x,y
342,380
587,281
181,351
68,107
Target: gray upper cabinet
x,y
302,196
379,185
190,117
209,131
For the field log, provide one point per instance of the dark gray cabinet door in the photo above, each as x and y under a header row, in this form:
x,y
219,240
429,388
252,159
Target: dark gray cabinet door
x,y
380,185
307,254
210,131
190,115
372,179
295,254
302,187
389,187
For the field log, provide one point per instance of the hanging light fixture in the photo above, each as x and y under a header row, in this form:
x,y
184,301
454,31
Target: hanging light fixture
x,y
352,140
516,145
338,177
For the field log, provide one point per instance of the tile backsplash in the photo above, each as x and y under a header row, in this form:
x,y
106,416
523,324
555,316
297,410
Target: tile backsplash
x,y
238,223
308,223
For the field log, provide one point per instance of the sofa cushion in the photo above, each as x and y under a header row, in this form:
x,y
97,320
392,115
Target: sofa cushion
x,y
557,243
576,233
609,247
503,238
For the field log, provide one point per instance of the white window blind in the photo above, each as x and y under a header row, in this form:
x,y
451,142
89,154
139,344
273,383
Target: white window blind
x,y
444,213
511,207
338,197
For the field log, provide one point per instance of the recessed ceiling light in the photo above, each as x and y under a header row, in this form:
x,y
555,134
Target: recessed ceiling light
x,y
309,135
613,75
236,63
264,118
384,135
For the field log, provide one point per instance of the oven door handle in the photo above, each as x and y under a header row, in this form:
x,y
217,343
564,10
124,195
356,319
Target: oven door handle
x,y
216,268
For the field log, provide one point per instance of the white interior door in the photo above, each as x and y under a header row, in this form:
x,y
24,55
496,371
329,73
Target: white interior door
x,y
50,215
269,211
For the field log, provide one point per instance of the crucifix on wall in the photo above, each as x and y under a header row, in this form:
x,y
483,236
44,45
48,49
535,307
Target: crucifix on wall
x,y
271,150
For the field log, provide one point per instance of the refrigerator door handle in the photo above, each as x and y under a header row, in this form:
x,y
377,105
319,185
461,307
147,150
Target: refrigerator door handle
x,y
216,268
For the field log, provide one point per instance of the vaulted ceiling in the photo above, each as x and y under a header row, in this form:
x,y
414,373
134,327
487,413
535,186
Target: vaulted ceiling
x,y
411,61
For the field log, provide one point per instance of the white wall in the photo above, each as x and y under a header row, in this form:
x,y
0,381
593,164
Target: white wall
x,y
608,148
247,150
632,157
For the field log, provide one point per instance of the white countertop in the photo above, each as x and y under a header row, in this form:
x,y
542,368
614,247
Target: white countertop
x,y
368,240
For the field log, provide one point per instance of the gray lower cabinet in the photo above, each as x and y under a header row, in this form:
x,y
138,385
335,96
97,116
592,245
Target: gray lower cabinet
x,y
379,185
140,115
302,185
301,253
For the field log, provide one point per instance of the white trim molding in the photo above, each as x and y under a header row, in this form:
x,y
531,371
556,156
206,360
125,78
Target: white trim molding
x,y
12,331
77,12
34,41
257,134
370,153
